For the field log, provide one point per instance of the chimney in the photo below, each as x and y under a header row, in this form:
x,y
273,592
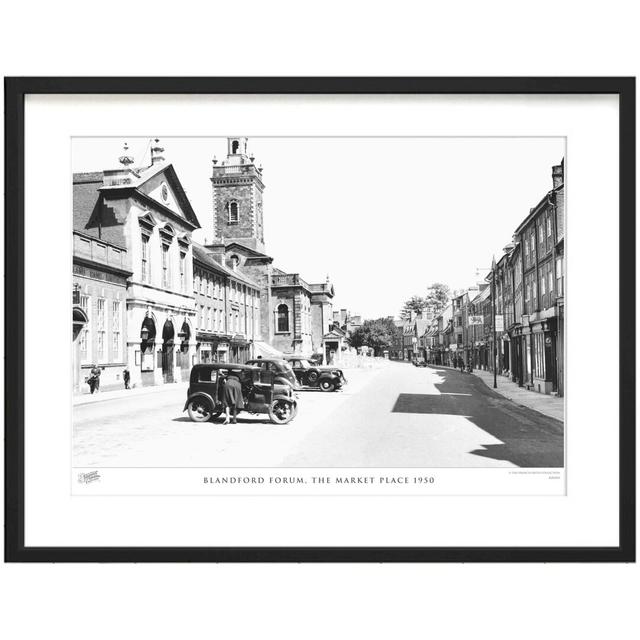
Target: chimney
x,y
217,252
156,152
557,175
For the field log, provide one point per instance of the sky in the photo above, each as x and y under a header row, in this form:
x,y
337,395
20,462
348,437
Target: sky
x,y
382,217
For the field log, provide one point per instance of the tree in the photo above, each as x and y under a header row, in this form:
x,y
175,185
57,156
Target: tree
x,y
438,296
377,334
415,303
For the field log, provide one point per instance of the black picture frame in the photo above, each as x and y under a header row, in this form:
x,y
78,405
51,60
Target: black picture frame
x,y
15,91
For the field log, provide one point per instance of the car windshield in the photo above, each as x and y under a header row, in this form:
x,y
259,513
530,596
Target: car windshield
x,y
304,364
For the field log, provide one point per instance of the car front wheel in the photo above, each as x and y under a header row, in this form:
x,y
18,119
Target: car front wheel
x,y
200,411
326,385
281,412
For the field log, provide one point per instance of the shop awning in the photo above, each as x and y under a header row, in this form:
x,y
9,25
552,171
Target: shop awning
x,y
266,350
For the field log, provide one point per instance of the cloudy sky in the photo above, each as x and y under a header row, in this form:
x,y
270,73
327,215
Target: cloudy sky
x,y
382,217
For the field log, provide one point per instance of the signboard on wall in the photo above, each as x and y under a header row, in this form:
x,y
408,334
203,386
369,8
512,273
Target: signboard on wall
x,y
499,323
476,320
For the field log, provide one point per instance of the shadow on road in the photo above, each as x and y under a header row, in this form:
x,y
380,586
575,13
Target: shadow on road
x,y
529,438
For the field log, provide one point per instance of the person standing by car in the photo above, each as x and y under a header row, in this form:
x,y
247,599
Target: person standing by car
x,y
232,397
94,380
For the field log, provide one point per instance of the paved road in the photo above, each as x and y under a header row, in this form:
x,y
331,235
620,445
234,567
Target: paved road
x,y
396,416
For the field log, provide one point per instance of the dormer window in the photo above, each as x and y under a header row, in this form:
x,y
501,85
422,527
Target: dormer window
x,y
232,210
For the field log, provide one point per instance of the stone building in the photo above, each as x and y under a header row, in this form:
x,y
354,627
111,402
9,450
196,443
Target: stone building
x,y
295,316
100,272
144,213
537,331
227,310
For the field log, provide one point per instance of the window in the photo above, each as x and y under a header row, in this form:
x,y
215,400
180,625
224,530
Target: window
x,y
559,277
202,317
549,226
233,212
543,285
100,327
541,234
283,318
115,331
145,259
166,275
183,271
459,338
538,352
550,275
209,320
84,344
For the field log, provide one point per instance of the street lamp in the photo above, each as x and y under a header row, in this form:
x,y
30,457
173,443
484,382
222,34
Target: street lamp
x,y
493,309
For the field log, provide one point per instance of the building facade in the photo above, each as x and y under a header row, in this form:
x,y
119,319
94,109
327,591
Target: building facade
x,y
227,305
538,298
100,273
295,315
146,212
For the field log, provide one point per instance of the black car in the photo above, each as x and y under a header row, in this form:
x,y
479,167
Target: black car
x,y
283,374
262,392
311,375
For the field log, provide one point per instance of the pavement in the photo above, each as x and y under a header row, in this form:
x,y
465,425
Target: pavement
x,y
547,404
394,415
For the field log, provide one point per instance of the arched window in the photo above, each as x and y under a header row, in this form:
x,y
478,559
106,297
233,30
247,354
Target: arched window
x,y
234,146
232,208
283,318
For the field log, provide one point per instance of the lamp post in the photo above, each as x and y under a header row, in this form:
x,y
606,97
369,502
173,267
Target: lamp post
x,y
493,310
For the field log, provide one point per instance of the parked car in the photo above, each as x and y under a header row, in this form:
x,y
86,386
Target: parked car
x,y
419,362
262,392
281,369
310,375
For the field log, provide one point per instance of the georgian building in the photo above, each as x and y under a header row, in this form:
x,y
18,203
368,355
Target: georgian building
x,y
295,316
538,285
144,213
100,272
227,310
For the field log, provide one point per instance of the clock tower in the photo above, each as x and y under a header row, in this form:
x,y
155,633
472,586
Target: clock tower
x,y
237,198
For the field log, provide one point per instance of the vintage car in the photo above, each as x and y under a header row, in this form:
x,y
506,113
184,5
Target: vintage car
x,y
282,371
419,362
261,392
311,375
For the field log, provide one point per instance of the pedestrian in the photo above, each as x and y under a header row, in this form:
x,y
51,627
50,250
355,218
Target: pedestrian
x,y
233,400
461,364
94,379
126,376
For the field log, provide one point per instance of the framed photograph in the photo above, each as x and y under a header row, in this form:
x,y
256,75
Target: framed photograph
x,y
320,319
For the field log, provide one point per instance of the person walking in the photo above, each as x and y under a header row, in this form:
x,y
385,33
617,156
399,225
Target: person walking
x,y
94,380
126,376
233,400
461,364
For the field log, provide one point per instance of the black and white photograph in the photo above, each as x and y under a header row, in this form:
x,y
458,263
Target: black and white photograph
x,y
318,302
362,318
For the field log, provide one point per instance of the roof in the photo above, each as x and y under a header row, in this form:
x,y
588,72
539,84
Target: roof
x,y
88,187
90,216
204,257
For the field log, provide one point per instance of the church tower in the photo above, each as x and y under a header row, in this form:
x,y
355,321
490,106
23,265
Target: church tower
x,y
237,198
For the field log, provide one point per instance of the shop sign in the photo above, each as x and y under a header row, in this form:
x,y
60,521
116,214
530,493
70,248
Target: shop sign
x,y
473,320
499,323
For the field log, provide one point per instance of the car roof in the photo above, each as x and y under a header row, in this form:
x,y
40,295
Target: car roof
x,y
222,365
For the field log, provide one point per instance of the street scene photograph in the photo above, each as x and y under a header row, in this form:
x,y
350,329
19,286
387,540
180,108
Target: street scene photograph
x,y
318,302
